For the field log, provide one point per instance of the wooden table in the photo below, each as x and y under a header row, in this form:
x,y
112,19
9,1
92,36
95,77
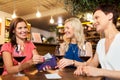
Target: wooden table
x,y
66,74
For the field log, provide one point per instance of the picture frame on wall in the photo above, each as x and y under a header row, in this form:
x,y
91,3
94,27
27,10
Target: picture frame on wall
x,y
36,37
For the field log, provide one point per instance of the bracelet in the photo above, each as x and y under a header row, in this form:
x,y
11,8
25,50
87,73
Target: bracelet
x,y
73,62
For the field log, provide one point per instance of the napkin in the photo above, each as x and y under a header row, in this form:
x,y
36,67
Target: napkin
x,y
53,76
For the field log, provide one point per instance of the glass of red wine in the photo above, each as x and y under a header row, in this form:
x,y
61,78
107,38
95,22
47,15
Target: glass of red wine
x,y
1,66
83,54
57,53
19,57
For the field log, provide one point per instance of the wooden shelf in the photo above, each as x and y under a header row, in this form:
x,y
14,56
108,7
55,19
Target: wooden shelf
x,y
60,33
93,37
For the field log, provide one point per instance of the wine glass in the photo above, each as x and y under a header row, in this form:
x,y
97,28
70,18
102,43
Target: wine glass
x,y
57,53
1,66
83,54
19,57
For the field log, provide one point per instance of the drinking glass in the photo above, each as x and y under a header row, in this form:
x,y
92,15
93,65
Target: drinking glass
x,y
1,66
57,53
19,57
82,55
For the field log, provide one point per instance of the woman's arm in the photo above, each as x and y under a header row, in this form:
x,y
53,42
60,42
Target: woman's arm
x,y
93,61
36,57
35,60
8,62
88,47
65,62
92,71
110,73
62,49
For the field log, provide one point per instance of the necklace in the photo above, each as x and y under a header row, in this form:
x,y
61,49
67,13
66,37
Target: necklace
x,y
74,49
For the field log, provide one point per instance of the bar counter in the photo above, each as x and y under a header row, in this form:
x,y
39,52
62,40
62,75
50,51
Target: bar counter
x,y
44,48
66,74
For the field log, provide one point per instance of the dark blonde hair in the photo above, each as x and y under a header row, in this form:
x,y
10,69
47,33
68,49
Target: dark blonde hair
x,y
78,30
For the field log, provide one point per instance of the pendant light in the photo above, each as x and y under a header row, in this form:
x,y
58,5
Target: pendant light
x,y
51,20
38,14
0,20
14,15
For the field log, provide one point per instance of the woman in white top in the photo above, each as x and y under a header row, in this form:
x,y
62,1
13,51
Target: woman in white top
x,y
108,48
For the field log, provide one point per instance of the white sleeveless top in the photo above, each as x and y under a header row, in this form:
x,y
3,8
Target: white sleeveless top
x,y
111,60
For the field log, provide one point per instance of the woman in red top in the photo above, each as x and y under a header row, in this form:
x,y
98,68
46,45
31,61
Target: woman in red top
x,y
18,43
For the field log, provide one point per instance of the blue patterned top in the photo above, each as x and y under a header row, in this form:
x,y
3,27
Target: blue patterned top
x,y
72,53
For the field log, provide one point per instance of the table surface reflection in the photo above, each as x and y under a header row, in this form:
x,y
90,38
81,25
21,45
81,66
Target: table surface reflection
x,y
66,74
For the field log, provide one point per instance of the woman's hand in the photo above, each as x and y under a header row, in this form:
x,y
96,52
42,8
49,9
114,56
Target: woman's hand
x,y
91,71
79,70
47,67
37,59
65,62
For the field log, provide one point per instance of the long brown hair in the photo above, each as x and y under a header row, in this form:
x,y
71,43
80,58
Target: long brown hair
x,y
13,25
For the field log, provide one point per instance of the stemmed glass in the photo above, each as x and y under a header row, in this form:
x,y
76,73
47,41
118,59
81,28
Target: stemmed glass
x,y
19,57
57,53
1,66
83,54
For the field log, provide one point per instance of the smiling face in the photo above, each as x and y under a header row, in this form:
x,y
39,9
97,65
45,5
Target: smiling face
x,y
69,31
101,20
21,31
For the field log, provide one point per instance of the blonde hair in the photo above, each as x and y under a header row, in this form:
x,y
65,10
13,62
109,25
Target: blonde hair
x,y
78,31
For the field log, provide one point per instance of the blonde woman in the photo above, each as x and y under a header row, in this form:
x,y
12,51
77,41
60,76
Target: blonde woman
x,y
63,45
75,41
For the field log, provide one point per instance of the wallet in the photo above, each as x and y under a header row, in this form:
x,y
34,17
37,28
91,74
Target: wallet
x,y
49,62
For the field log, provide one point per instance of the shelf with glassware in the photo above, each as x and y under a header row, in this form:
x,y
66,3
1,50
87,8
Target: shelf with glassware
x,y
91,35
60,33
7,24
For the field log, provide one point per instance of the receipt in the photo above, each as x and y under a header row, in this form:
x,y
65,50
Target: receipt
x,y
53,76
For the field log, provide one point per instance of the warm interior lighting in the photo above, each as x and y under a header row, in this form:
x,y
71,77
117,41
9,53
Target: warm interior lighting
x,y
51,20
14,15
0,20
38,14
60,21
89,17
60,25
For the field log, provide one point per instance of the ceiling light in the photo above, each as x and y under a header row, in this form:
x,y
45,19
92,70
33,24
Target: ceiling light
x,y
0,20
38,14
51,20
60,21
14,15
